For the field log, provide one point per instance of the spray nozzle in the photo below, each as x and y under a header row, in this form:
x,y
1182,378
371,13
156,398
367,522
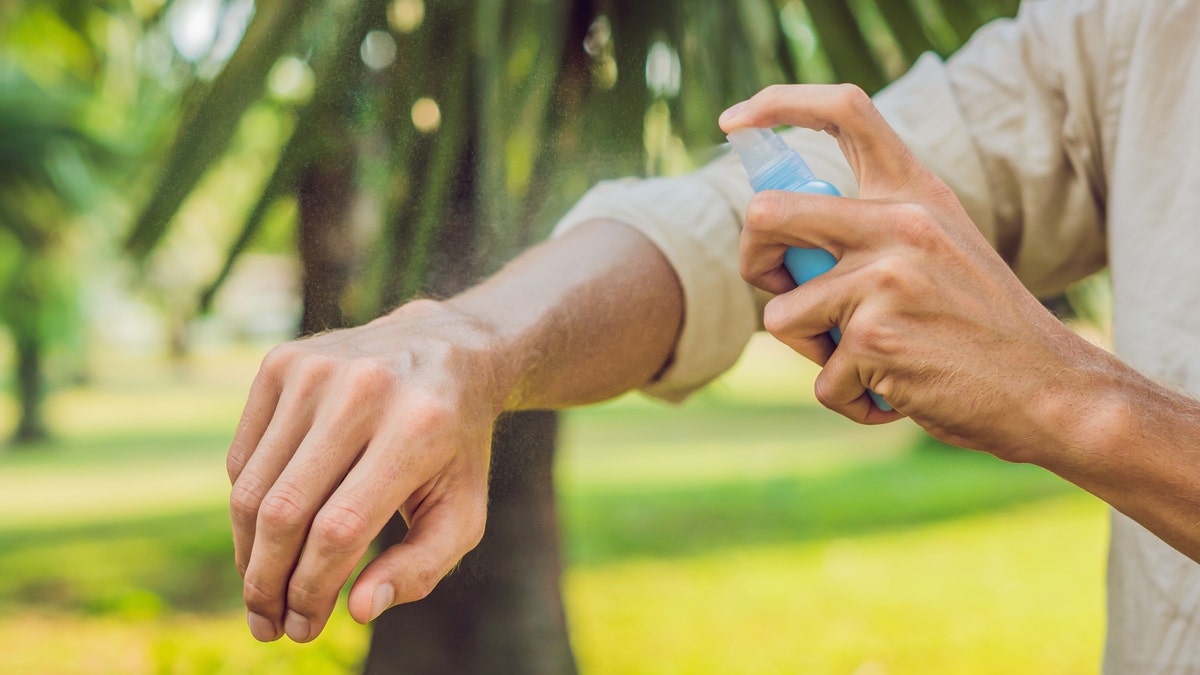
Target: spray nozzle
x,y
760,148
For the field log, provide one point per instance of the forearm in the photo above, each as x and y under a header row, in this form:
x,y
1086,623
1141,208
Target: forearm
x,y
580,318
1136,445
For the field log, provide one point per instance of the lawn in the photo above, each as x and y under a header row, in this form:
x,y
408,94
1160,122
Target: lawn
x,y
746,531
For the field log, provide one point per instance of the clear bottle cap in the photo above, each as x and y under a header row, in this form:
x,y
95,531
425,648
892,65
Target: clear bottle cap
x,y
760,148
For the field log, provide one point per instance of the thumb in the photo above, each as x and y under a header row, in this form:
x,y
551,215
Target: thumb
x,y
437,540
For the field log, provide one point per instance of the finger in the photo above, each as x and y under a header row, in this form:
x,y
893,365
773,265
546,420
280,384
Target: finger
x,y
287,429
438,537
839,387
803,319
341,533
288,510
879,159
777,221
366,499
259,410
264,397
800,319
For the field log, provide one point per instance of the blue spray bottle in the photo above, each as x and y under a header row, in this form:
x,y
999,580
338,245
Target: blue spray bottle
x,y
772,165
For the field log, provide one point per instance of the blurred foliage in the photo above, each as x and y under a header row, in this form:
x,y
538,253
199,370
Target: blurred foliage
x,y
443,137
46,162
525,104
1091,305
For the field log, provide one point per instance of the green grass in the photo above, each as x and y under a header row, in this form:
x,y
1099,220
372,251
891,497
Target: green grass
x,y
747,531
1015,591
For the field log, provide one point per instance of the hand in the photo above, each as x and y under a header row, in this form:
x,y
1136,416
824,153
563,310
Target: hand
x,y
931,317
341,431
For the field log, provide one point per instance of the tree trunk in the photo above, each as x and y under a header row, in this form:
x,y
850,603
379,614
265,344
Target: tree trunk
x,y
326,241
501,612
30,390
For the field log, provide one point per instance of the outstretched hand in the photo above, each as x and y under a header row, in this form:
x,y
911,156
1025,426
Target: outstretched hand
x,y
340,432
932,318
344,429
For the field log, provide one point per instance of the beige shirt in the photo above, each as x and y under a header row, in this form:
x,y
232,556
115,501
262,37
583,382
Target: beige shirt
x,y
1072,136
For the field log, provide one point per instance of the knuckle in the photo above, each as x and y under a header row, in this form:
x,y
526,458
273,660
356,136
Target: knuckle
x,y
892,274
747,270
916,225
879,338
428,413
284,508
775,317
258,598
311,371
773,93
297,366
245,498
369,371
341,527
368,377
763,212
823,391
853,99
886,388
305,597
235,461
425,580
279,359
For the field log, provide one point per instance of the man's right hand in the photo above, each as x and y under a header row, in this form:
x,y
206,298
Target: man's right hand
x,y
340,432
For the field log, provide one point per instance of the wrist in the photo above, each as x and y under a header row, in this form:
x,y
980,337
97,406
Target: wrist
x,y
473,348
1128,441
1088,418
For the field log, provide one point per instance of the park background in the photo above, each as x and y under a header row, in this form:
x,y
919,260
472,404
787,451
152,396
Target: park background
x,y
185,183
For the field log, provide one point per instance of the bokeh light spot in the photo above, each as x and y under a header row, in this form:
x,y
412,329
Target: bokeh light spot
x,y
378,50
426,116
291,80
598,45
193,25
662,69
406,15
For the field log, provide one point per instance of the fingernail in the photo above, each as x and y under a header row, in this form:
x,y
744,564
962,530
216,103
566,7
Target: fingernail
x,y
381,600
261,627
731,113
296,627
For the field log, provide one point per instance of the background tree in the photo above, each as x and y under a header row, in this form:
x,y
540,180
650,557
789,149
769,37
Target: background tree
x,y
44,177
67,90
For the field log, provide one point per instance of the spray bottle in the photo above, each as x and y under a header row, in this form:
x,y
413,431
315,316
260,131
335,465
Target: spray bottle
x,y
772,165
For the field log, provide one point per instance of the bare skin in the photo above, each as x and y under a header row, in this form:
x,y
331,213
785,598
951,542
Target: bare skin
x,y
935,322
344,429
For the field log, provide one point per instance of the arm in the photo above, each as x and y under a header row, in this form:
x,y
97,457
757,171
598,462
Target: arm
x,y
344,428
583,317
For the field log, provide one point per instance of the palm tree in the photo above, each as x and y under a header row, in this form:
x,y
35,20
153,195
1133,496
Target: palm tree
x,y
44,177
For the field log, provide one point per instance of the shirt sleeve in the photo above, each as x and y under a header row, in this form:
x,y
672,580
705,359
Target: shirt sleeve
x,y
1008,123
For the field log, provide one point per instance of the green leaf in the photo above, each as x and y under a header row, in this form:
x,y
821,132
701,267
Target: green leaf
x,y
906,27
844,42
212,118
